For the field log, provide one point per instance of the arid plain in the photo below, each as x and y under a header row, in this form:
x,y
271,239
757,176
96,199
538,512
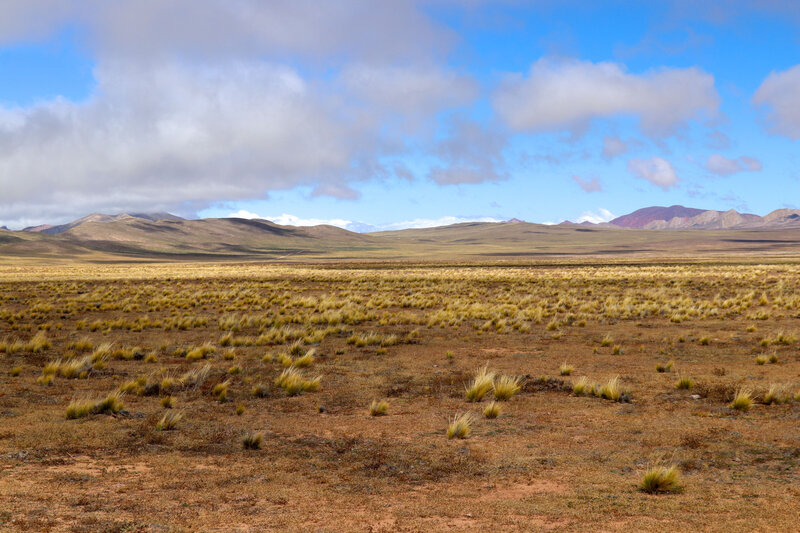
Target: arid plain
x,y
128,392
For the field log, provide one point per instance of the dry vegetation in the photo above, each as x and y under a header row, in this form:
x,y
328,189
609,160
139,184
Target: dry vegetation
x,y
400,398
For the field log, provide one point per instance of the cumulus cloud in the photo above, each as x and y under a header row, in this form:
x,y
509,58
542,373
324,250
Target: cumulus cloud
x,y
656,170
181,134
717,140
592,185
722,166
234,28
409,92
197,103
567,95
603,215
778,93
472,153
613,147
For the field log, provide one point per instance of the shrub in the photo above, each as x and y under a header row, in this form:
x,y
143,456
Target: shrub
x,y
378,407
773,358
460,426
566,369
492,410
616,350
239,410
761,359
16,371
168,402
742,400
236,369
169,421
607,340
684,383
252,440
481,384
506,387
704,341
661,479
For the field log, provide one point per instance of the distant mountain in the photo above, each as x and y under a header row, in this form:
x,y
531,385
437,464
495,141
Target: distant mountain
x,y
679,217
642,217
101,218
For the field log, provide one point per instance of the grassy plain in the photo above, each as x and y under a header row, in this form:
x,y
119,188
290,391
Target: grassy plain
x,y
244,397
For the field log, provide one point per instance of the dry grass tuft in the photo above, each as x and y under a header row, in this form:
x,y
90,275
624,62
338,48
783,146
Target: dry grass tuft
x,y
481,384
742,400
492,410
378,407
293,382
169,421
252,440
661,480
506,387
565,369
460,426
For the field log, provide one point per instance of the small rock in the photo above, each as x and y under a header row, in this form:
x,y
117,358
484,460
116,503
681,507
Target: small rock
x,y
695,396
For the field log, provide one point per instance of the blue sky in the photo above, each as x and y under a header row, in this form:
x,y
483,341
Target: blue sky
x,y
399,113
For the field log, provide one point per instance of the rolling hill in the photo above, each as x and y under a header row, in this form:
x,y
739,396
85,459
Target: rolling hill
x,y
169,238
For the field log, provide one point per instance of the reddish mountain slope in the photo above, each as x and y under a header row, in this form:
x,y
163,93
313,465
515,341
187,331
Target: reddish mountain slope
x,y
642,217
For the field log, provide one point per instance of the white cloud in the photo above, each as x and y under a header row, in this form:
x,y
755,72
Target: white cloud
x,y
656,170
592,185
614,146
721,165
292,220
409,91
471,153
362,227
242,28
180,135
198,103
419,223
779,93
603,215
567,95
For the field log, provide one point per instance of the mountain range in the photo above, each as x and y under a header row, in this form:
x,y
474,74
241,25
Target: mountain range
x,y
653,231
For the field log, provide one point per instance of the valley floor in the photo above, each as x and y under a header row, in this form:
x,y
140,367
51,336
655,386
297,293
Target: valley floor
x,y
414,336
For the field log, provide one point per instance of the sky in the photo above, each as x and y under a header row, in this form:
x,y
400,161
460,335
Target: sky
x,y
400,113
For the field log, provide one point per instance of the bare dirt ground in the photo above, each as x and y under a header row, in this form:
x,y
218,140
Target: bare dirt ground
x,y
413,335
